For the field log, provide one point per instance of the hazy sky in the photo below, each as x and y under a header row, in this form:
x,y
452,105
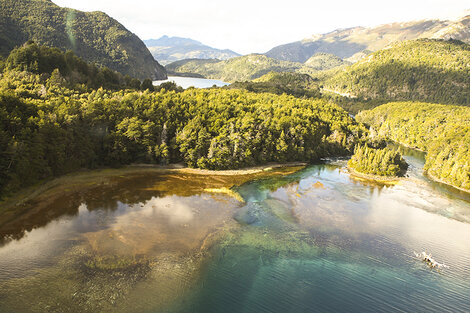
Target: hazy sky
x,y
247,26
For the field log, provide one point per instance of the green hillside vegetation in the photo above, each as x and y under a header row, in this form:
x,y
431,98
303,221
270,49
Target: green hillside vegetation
x,y
443,131
423,70
295,84
93,36
287,79
49,129
248,67
381,162
324,61
236,69
66,69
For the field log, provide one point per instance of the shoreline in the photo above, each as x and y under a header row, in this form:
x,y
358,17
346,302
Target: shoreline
x,y
407,146
429,175
438,180
386,180
179,168
90,178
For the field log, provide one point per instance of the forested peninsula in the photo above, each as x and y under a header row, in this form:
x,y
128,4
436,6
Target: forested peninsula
x,y
59,119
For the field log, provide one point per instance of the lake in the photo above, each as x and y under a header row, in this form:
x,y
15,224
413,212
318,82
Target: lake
x,y
187,82
309,240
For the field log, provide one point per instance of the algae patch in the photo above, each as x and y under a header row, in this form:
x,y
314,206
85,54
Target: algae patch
x,y
226,191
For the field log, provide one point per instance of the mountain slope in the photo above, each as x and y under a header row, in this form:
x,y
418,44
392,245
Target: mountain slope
x,y
324,61
236,69
250,67
423,70
94,36
169,49
294,84
345,43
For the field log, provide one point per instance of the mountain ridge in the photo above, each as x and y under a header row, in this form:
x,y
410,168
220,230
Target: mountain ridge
x,y
93,36
170,49
347,42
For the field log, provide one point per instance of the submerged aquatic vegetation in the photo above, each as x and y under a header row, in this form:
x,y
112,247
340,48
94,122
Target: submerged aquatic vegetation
x,y
227,191
115,262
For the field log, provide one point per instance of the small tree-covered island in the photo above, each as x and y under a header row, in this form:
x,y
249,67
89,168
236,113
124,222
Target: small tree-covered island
x,y
381,162
328,174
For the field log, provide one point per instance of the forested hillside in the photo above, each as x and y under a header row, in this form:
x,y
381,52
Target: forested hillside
x,y
295,84
66,69
94,36
324,61
443,131
425,70
49,128
236,69
250,67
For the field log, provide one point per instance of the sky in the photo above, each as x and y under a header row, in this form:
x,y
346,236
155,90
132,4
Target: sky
x,y
249,26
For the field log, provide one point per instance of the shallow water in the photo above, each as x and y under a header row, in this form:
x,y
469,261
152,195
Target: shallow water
x,y
312,241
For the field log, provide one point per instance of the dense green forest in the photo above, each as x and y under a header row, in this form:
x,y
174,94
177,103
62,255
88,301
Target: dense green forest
x,y
249,67
295,84
325,61
422,70
303,86
94,36
381,162
51,127
443,131
242,68
66,69
425,70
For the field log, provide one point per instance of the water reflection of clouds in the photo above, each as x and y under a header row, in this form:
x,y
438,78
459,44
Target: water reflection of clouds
x,y
36,248
174,209
409,217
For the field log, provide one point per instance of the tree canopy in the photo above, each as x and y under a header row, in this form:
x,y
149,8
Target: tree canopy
x,y
51,127
443,131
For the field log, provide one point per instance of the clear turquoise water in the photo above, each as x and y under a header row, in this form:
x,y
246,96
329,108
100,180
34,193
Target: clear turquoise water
x,y
313,241
364,238
364,259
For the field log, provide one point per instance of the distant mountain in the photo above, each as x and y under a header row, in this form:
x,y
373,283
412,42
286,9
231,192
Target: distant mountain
x,y
169,49
93,36
423,70
249,67
352,42
242,68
